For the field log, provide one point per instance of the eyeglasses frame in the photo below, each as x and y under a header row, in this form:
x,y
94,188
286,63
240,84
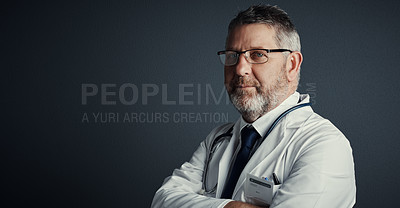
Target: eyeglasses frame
x,y
243,52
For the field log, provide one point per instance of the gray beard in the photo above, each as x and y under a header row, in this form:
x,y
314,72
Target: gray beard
x,y
254,105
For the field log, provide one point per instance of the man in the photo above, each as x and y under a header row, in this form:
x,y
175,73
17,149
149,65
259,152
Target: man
x,y
300,160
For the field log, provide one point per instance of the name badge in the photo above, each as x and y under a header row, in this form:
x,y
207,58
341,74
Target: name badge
x,y
259,191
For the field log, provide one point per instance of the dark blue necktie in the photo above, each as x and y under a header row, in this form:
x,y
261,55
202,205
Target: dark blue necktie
x,y
249,137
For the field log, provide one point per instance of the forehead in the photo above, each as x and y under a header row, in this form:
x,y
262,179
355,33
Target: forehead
x,y
251,36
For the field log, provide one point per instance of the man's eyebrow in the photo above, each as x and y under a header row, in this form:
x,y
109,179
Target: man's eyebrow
x,y
250,48
257,47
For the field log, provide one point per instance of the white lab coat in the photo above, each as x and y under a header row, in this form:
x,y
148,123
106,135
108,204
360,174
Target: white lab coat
x,y
310,156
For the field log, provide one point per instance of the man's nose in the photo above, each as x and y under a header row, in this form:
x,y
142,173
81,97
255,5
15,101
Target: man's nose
x,y
243,67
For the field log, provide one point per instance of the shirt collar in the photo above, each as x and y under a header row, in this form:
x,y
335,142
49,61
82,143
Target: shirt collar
x,y
263,123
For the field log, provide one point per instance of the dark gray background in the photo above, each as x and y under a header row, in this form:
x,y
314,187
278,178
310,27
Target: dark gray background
x,y
50,49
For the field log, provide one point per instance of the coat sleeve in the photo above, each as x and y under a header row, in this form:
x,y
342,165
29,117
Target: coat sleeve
x,y
182,188
322,174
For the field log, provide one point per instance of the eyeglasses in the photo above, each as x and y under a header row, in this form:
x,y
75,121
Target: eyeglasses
x,y
253,56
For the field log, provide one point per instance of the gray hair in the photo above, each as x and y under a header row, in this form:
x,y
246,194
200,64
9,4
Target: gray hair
x,y
286,34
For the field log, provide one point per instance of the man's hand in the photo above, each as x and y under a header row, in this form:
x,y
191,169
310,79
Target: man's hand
x,y
239,204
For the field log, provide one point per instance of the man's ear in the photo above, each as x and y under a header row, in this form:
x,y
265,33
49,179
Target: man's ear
x,y
293,65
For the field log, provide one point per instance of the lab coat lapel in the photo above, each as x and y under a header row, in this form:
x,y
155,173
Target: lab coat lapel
x,y
262,153
225,160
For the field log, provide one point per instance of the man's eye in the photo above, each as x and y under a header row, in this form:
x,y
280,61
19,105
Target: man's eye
x,y
231,55
257,55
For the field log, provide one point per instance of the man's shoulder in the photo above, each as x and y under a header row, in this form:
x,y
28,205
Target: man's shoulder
x,y
318,123
317,128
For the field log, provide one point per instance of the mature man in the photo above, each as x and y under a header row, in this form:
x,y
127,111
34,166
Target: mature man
x,y
279,153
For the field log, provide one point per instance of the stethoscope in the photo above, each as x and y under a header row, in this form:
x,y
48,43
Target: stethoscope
x,y
228,134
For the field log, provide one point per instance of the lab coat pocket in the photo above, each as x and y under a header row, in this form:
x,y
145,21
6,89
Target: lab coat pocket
x,y
259,191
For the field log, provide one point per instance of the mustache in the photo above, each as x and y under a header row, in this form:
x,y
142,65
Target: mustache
x,y
239,82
